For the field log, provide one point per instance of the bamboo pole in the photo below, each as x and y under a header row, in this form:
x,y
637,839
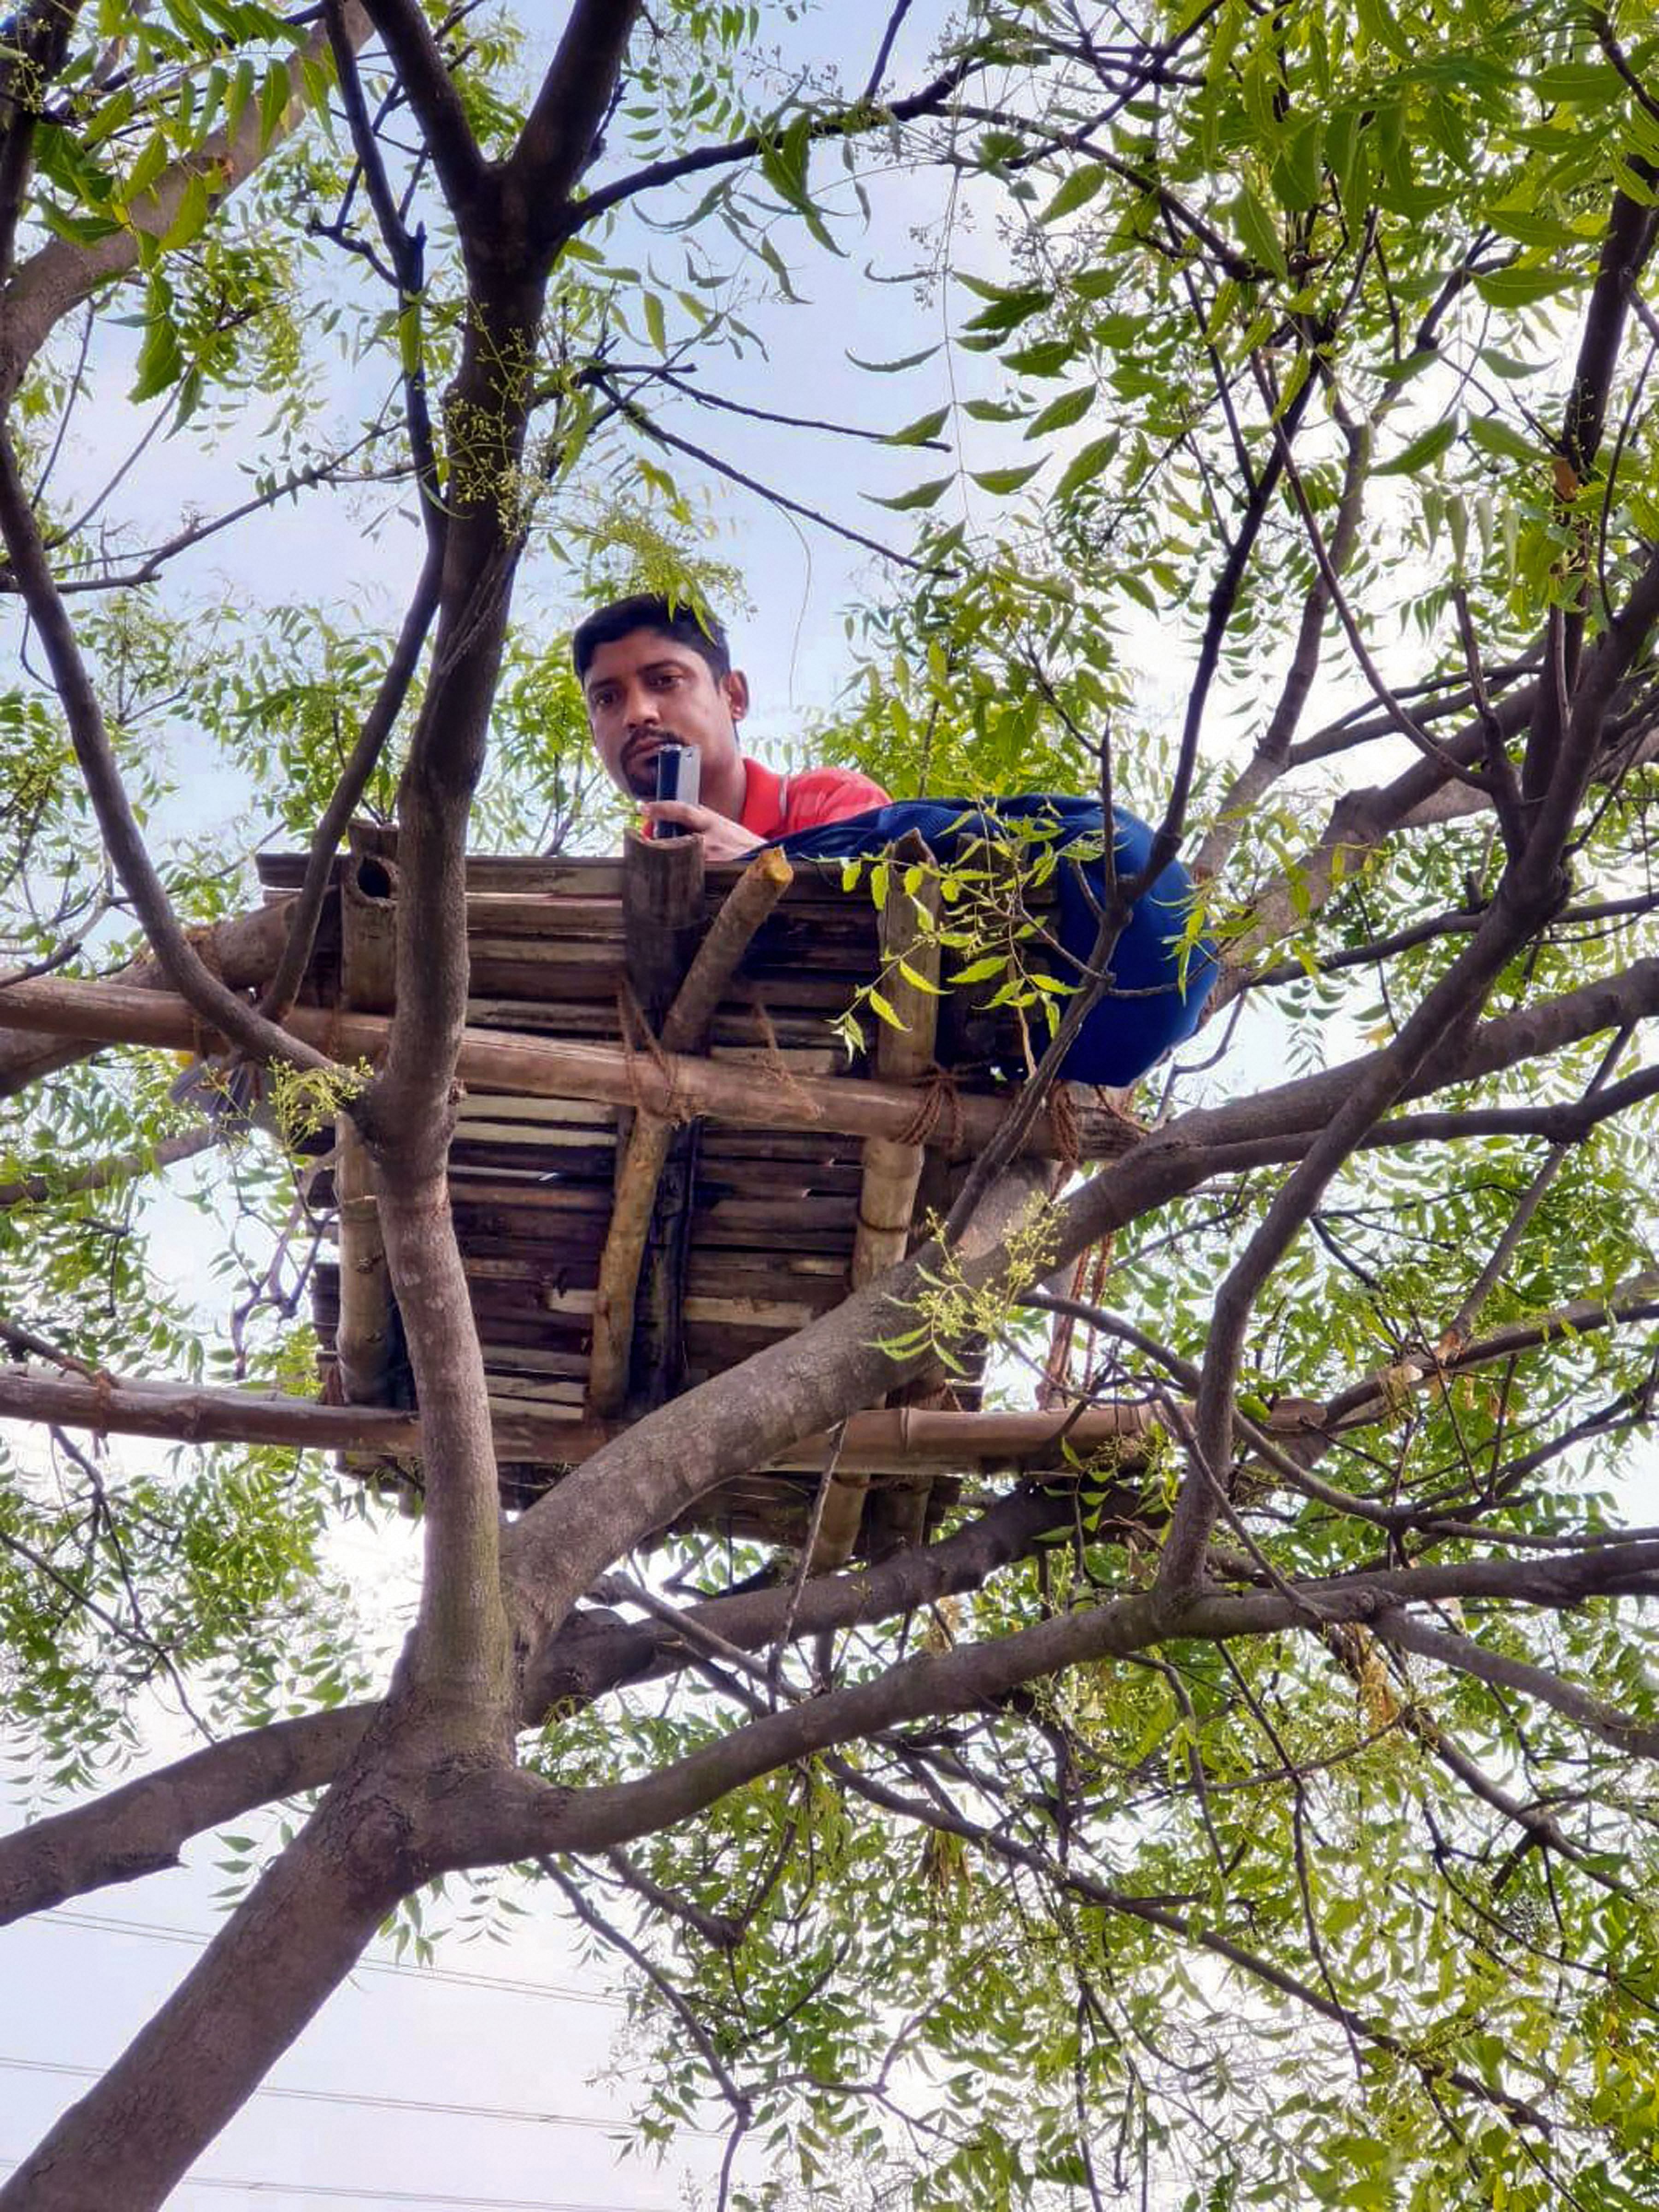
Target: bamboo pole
x,y
888,1437
755,893
892,1169
542,1068
662,906
363,1332
904,1051
243,951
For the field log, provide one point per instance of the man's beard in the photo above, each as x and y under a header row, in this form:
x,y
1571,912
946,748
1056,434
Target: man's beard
x,y
638,763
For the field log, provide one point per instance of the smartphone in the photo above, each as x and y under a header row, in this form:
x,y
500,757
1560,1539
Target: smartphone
x,y
678,774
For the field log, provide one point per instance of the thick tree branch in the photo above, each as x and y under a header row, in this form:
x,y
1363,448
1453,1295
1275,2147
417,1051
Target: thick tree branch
x,y
123,839
142,1827
415,53
558,139
516,1816
118,1167
243,952
61,274
35,47
1462,1654
144,1824
133,1012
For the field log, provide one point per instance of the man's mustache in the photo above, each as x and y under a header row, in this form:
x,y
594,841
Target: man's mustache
x,y
639,760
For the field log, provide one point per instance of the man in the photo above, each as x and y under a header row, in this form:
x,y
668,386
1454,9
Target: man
x,y
654,674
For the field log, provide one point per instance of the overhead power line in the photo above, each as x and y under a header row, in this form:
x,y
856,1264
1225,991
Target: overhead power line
x,y
367,2100
155,1932
389,2195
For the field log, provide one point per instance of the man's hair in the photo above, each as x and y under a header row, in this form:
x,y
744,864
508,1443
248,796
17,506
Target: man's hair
x,y
675,618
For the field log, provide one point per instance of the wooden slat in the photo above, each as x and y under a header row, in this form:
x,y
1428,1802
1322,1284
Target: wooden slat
x,y
651,1142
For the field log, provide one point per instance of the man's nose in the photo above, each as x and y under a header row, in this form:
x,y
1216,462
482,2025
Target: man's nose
x,y
642,712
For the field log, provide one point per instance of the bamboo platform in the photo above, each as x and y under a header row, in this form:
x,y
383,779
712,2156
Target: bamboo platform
x,y
617,1255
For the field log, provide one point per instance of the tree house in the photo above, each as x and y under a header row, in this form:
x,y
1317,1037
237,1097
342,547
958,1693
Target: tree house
x,y
664,1162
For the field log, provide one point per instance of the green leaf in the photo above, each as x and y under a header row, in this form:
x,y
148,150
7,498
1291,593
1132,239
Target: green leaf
x,y
1046,358
922,431
892,368
1421,450
64,160
1005,480
1087,464
274,96
1296,173
1494,435
656,327
1506,365
160,357
1520,288
978,971
244,78
194,208
147,169
922,494
1061,414
1258,232
1593,83
1078,189
1008,310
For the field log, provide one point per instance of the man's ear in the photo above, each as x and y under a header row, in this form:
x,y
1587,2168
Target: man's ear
x,y
735,686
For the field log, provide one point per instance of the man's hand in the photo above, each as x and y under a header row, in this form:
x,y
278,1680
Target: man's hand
x,y
722,839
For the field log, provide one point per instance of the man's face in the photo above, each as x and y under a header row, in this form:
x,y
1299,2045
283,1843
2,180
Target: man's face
x,y
647,691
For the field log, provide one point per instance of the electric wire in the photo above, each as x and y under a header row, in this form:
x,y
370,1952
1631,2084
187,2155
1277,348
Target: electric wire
x,y
370,2101
154,1931
382,2195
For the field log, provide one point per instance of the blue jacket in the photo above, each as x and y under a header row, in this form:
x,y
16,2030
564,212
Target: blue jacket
x,y
1148,1006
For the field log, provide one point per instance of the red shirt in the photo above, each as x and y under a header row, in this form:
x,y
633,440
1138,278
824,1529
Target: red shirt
x,y
773,805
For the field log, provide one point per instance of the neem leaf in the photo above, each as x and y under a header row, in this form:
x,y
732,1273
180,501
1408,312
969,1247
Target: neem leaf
x,y
1087,464
978,971
1078,189
1421,450
1258,231
1046,358
1005,480
1060,414
919,432
922,494
892,368
1494,435
1519,288
1506,365
160,357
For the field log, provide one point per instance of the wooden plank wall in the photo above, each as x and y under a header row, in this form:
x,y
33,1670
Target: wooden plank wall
x,y
774,1213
